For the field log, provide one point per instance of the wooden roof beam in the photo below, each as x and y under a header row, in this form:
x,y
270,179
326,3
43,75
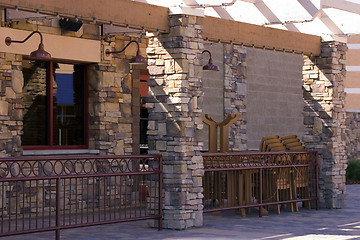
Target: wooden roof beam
x,y
270,15
341,5
224,30
151,17
121,12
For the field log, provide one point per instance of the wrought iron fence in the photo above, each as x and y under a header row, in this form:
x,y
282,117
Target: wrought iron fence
x,y
246,180
53,193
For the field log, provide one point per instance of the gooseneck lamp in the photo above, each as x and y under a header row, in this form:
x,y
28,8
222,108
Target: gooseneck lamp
x,y
138,59
38,55
210,65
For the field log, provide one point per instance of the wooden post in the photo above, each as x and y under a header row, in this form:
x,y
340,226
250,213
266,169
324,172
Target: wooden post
x,y
224,131
212,133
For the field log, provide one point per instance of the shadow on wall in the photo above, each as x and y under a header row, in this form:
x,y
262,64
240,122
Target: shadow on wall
x,y
324,120
176,90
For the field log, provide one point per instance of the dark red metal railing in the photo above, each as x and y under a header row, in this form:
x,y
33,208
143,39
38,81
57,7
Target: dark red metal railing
x,y
245,180
54,193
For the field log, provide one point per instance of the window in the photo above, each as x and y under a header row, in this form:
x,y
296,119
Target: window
x,y
144,115
54,98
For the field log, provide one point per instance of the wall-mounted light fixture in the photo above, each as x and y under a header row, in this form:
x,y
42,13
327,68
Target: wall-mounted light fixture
x,y
70,25
38,55
210,65
138,59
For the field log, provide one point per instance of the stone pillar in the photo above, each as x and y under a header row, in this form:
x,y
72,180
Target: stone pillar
x,y
110,99
11,107
175,118
324,119
235,93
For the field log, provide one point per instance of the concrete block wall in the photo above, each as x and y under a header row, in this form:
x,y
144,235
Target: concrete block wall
x,y
213,87
352,137
225,92
274,95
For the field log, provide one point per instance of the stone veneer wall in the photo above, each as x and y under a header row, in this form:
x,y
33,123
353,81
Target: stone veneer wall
x,y
235,94
175,118
110,92
110,100
353,135
110,124
213,87
324,119
11,107
225,91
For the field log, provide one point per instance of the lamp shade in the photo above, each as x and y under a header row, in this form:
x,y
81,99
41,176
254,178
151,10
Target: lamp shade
x,y
210,66
40,54
138,59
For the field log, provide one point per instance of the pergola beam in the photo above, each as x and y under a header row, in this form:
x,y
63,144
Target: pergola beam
x,y
249,1
259,36
223,13
315,12
120,12
309,7
333,27
341,5
154,17
270,15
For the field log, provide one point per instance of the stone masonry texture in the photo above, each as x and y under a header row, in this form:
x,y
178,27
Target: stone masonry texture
x,y
176,108
324,119
175,118
225,91
353,135
110,85
11,107
235,93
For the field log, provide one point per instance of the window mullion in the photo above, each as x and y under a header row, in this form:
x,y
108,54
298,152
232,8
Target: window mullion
x,y
51,105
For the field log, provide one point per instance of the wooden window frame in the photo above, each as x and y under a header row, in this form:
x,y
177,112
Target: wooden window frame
x,y
50,123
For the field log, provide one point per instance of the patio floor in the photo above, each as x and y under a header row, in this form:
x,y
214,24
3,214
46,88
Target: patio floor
x,y
339,224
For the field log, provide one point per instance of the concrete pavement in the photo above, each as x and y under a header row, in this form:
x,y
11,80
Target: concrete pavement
x,y
336,224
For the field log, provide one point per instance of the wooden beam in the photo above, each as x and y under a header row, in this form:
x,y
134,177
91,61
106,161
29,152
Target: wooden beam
x,y
310,7
259,36
330,24
120,12
152,18
60,47
342,5
315,12
271,17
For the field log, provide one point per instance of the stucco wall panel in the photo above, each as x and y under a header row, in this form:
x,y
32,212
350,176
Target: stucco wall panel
x,y
352,79
60,47
352,102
